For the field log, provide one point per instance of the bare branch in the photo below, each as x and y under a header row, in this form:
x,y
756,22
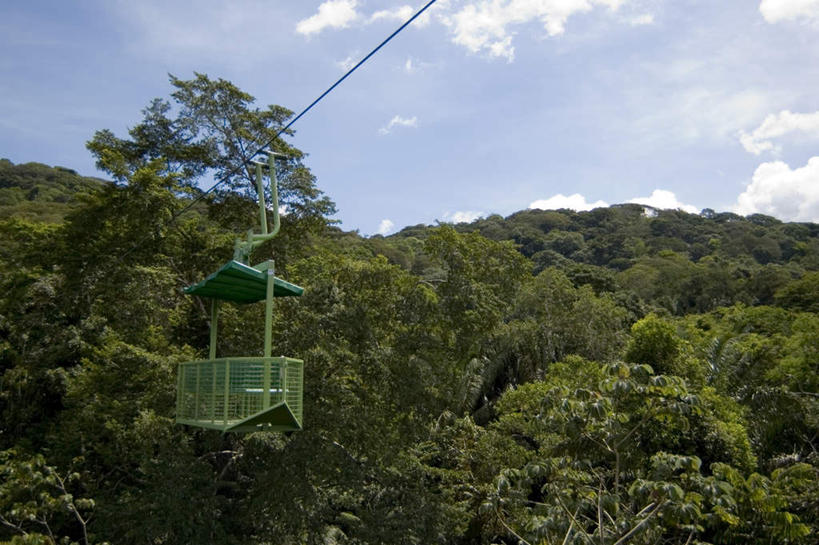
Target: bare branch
x,y
509,529
569,531
634,530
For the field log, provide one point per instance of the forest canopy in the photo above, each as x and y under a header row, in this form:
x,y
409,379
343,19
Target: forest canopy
x,y
623,375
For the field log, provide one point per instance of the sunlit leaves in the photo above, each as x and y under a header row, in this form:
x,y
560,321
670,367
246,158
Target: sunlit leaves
x,y
37,502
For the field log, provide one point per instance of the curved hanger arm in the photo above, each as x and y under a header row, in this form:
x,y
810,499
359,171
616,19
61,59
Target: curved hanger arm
x,y
243,248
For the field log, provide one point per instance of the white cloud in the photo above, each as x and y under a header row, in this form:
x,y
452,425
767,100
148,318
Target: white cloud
x,y
502,48
385,227
347,63
572,202
414,65
331,14
777,125
401,13
663,199
484,26
464,216
659,198
341,13
642,20
399,121
775,11
788,194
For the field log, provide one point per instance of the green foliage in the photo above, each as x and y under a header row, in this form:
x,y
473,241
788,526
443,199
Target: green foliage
x,y
761,503
802,294
798,370
216,130
567,320
764,357
34,191
480,280
463,384
654,342
584,475
36,500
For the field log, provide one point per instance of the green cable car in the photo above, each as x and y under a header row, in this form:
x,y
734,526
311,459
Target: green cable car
x,y
244,394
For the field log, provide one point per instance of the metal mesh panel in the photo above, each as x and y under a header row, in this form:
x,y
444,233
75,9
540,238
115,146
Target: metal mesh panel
x,y
205,404
215,391
223,392
186,405
293,390
246,379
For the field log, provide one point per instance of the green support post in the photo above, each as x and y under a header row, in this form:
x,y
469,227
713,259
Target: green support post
x,y
268,309
260,191
214,324
214,320
274,194
268,330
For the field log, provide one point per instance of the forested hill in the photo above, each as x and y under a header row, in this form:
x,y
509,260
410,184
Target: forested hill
x,y
674,260
40,192
623,375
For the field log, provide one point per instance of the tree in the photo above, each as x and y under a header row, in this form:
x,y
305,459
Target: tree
x,y
654,342
37,506
480,283
592,478
802,294
216,130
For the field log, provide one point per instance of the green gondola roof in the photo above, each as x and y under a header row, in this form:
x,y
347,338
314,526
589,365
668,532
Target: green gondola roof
x,y
240,283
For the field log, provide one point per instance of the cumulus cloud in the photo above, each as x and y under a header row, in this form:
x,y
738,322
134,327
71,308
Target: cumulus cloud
x,y
385,227
775,11
659,198
486,26
575,202
342,13
481,26
399,121
464,216
663,199
401,13
331,14
788,194
778,125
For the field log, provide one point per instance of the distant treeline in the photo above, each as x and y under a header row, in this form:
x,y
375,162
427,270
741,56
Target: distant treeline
x,y
39,192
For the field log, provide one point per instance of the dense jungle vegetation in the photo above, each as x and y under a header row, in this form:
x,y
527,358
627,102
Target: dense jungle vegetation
x,y
624,375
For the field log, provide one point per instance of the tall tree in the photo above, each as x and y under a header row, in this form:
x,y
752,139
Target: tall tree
x,y
211,127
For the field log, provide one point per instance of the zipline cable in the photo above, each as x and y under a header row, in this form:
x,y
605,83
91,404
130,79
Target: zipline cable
x,y
281,131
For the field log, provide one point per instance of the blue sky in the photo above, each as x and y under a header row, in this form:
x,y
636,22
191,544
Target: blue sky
x,y
487,106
